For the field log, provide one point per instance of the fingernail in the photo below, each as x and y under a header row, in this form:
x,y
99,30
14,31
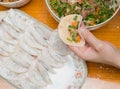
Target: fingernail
x,y
81,29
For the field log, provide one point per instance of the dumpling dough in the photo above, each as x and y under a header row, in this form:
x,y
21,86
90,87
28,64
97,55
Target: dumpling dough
x,y
63,30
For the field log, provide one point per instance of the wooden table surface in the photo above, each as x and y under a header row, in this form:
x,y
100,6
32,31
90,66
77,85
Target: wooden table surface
x,y
110,32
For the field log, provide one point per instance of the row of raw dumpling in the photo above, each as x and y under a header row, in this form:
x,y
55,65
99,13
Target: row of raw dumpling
x,y
36,38
40,33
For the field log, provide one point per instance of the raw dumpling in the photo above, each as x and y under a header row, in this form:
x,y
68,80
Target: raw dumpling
x,y
43,30
43,72
36,78
47,58
57,44
22,58
68,30
13,66
28,38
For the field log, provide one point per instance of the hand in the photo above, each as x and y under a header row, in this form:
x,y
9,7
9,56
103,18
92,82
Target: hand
x,y
96,50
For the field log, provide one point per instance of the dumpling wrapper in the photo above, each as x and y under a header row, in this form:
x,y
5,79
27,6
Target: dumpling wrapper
x,y
63,30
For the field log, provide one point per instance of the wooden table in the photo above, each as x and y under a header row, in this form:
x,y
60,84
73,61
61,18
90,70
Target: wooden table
x,y
110,32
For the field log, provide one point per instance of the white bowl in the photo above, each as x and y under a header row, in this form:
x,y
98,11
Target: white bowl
x,y
89,27
14,4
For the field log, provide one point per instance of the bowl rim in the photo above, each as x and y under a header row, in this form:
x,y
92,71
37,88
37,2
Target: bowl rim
x,y
14,2
95,26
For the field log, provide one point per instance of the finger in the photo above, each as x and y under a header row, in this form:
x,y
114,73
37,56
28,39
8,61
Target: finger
x,y
106,42
89,37
82,25
79,28
79,51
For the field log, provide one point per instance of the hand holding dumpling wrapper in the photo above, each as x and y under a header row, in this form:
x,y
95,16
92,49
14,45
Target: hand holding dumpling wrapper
x,y
68,30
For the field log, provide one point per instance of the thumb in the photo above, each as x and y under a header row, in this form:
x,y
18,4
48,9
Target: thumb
x,y
88,36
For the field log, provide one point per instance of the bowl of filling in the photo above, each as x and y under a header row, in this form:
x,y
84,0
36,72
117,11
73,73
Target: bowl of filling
x,y
13,3
95,13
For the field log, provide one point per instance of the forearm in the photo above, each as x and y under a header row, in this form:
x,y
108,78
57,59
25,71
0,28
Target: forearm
x,y
116,61
92,83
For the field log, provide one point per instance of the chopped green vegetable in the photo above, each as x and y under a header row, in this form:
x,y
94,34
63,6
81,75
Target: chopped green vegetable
x,y
75,18
71,27
92,10
73,30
